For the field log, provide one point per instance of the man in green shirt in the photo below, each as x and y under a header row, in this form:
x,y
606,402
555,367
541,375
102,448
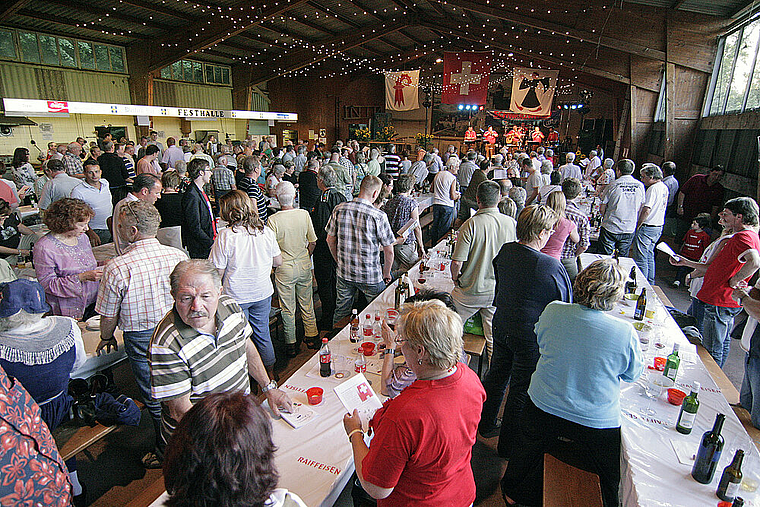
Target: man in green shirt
x,y
479,241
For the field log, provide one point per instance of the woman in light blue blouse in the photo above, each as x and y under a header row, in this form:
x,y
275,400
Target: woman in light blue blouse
x,y
575,390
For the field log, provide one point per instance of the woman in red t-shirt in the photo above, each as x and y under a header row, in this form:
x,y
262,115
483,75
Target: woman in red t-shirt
x,y
423,438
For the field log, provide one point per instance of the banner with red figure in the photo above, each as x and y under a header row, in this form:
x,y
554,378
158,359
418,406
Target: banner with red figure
x,y
401,90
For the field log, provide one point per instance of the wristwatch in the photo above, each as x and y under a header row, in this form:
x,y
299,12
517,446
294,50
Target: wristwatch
x,y
271,385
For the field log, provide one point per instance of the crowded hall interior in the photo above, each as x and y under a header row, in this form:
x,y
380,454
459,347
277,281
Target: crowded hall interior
x,y
354,253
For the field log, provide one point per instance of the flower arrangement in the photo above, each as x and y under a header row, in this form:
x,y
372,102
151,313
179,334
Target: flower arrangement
x,y
388,133
423,139
363,135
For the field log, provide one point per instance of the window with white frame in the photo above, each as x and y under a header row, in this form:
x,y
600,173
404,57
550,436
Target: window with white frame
x,y
735,83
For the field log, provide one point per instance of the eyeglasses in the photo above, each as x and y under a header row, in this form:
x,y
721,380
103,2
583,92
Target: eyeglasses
x,y
400,340
128,207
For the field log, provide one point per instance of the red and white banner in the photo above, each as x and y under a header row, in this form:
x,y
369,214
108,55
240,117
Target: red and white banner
x,y
533,91
401,90
465,78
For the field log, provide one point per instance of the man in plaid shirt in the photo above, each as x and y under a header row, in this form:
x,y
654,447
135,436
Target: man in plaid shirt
x,y
355,233
571,187
135,293
223,178
71,160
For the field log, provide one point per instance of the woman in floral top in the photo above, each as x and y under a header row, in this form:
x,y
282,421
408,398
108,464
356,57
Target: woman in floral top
x,y
63,259
400,209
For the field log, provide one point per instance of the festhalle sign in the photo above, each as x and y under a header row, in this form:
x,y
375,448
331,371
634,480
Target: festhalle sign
x,y
33,107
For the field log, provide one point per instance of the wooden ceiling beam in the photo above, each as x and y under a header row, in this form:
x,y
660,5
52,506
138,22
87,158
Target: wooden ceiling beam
x,y
157,9
110,13
338,44
208,31
72,23
10,7
342,17
568,31
305,22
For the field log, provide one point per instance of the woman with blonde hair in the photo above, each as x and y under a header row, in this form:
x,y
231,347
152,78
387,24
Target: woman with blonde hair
x,y
565,230
244,253
574,396
423,438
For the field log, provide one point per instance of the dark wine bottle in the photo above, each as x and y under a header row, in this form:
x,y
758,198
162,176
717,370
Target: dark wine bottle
x,y
729,482
709,452
641,305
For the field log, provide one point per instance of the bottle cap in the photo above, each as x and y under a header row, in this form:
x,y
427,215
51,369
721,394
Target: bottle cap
x,y
324,340
676,347
695,387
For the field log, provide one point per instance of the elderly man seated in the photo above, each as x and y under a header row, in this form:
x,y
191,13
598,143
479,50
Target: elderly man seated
x,y
203,346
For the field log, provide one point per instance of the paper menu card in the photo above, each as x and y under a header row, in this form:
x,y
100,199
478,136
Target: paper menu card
x,y
300,415
357,394
663,247
404,231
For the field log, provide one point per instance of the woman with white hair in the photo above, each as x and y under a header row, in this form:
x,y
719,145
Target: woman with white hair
x,y
423,438
297,239
606,177
574,396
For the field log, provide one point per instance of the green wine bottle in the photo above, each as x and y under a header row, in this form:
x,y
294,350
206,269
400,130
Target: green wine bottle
x,y
728,485
671,365
688,412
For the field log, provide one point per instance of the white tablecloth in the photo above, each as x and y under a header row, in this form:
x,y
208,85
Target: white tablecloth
x,y
651,474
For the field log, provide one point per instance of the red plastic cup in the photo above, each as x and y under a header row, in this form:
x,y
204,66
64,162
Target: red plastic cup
x,y
368,348
314,395
659,363
676,396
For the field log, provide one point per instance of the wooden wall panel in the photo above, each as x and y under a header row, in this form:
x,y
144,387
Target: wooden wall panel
x,y
316,100
646,73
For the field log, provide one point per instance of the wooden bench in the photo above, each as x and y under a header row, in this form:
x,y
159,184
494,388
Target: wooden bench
x,y
729,392
72,439
662,296
475,345
568,486
149,494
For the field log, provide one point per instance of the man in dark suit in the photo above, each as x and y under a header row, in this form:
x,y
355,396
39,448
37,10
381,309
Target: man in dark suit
x,y
114,171
198,224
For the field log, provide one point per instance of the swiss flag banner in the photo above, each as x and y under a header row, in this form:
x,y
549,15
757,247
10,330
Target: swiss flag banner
x,y
465,77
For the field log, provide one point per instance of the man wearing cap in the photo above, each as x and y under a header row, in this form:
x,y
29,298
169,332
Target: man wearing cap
x,y
134,292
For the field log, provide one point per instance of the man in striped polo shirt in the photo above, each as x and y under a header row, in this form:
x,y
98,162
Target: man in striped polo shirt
x,y
392,161
203,346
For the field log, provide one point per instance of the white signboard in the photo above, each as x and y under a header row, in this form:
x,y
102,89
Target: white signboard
x,y
26,107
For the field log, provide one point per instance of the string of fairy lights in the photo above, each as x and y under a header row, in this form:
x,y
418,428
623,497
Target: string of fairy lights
x,y
460,28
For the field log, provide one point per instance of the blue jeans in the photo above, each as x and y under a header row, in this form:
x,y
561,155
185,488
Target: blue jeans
x,y
642,249
258,317
716,331
136,346
443,218
749,397
346,292
608,242
697,310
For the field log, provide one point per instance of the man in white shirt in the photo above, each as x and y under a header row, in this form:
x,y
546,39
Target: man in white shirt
x,y
172,154
594,162
94,191
651,220
620,208
154,140
570,170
